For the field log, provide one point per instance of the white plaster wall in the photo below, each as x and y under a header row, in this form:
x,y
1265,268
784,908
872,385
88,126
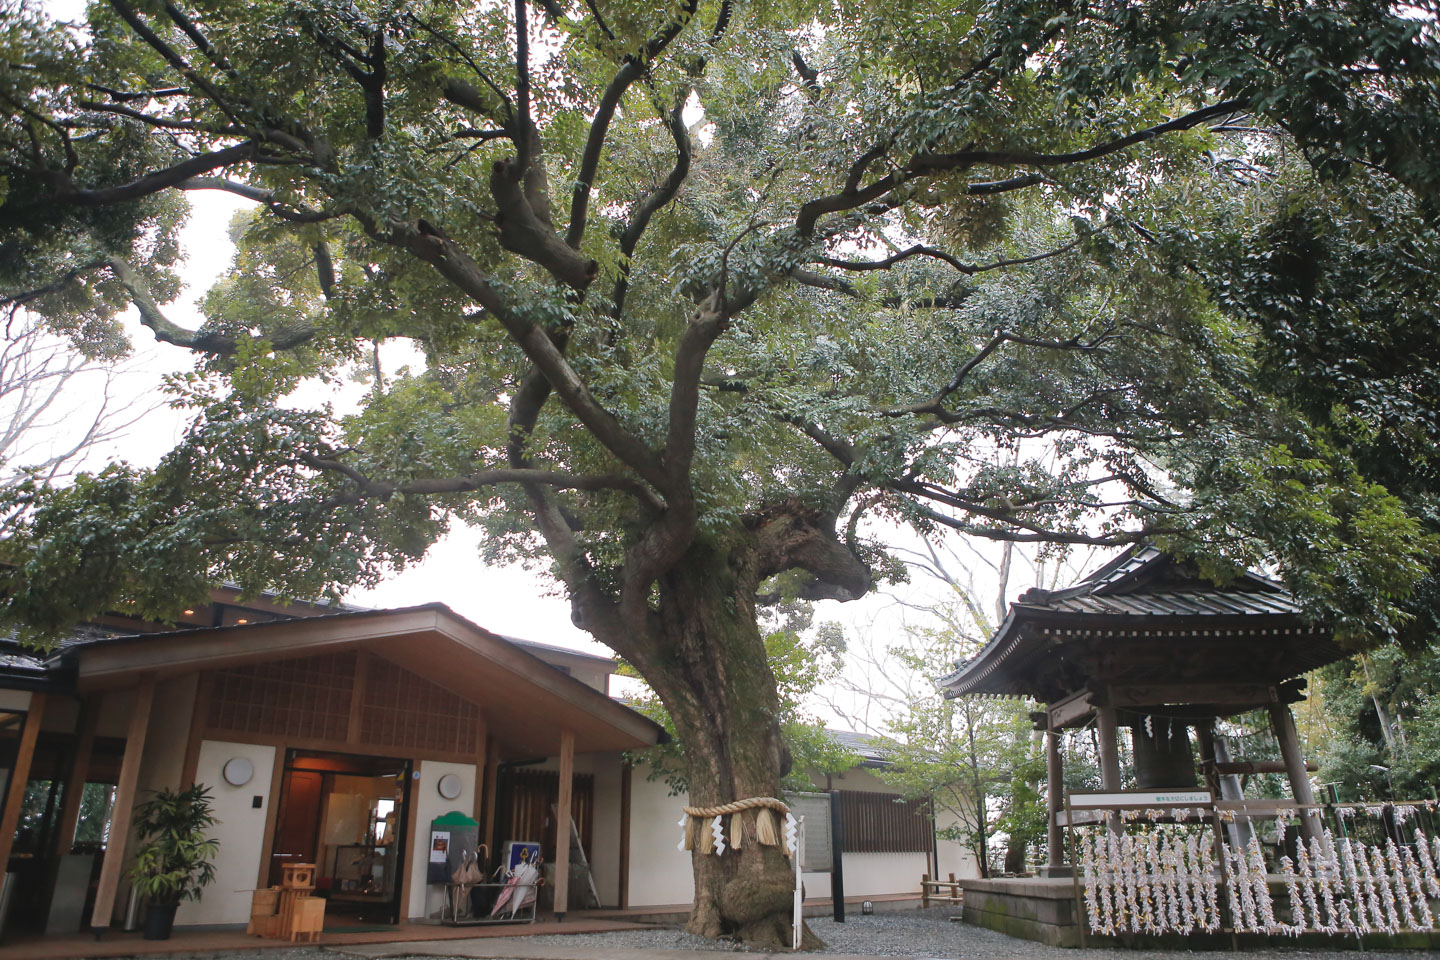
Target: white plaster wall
x,y
873,875
954,857
659,873
14,699
429,805
860,778
241,831
605,828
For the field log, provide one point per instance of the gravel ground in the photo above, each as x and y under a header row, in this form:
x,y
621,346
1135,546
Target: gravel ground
x,y
908,933
931,934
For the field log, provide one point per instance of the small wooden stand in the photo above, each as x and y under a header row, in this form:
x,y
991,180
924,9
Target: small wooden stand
x,y
940,891
288,912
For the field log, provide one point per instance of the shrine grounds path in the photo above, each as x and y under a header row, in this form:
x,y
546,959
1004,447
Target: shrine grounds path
x,y
925,934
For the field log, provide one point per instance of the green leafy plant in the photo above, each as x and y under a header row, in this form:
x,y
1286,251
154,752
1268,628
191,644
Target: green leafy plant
x,y
173,862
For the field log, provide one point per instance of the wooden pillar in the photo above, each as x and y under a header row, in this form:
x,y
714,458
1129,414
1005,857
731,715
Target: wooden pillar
x,y
1283,723
492,790
483,739
1055,801
358,684
75,781
1109,732
625,774
109,883
562,823
1109,747
19,777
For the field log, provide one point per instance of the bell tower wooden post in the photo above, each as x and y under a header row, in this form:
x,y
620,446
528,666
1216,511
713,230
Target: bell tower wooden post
x,y
1282,721
1109,756
1055,801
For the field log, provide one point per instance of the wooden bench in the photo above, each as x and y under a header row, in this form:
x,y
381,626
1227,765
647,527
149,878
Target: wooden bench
x,y
941,891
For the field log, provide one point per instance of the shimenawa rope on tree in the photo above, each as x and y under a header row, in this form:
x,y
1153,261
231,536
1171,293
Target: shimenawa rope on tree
x,y
763,826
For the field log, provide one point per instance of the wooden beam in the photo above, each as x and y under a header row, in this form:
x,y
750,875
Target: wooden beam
x,y
1244,767
109,883
363,659
1109,736
562,823
1156,694
482,738
20,775
1072,709
320,745
75,781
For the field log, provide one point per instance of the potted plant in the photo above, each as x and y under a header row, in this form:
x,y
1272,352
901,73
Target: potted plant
x,y
173,861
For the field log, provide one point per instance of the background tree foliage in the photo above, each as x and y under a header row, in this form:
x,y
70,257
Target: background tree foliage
x,y
700,287
1382,725
979,760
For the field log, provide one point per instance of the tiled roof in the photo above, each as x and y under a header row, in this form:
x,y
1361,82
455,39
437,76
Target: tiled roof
x,y
869,748
1143,592
1147,582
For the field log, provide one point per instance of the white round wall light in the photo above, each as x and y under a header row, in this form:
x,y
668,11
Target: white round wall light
x,y
450,786
238,771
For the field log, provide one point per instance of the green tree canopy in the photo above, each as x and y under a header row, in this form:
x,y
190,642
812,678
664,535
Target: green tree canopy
x,y
700,287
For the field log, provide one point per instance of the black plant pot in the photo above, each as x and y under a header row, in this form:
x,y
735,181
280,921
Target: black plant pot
x,y
159,920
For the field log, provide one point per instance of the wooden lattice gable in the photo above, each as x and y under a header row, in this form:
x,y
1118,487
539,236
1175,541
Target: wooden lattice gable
x,y
400,708
349,699
303,697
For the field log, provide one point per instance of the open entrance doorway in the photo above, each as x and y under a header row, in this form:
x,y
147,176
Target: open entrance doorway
x,y
345,814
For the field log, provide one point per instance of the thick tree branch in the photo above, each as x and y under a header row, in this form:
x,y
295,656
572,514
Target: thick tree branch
x,y
631,70
1015,532
13,301
199,39
481,479
791,535
460,269
935,405
821,281
201,341
261,195
66,192
651,203
969,269
160,123
929,163
523,123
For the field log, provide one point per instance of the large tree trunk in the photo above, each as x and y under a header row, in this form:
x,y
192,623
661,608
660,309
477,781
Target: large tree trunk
x,y
706,660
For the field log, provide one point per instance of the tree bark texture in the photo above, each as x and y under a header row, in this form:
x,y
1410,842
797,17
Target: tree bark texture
x,y
706,660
